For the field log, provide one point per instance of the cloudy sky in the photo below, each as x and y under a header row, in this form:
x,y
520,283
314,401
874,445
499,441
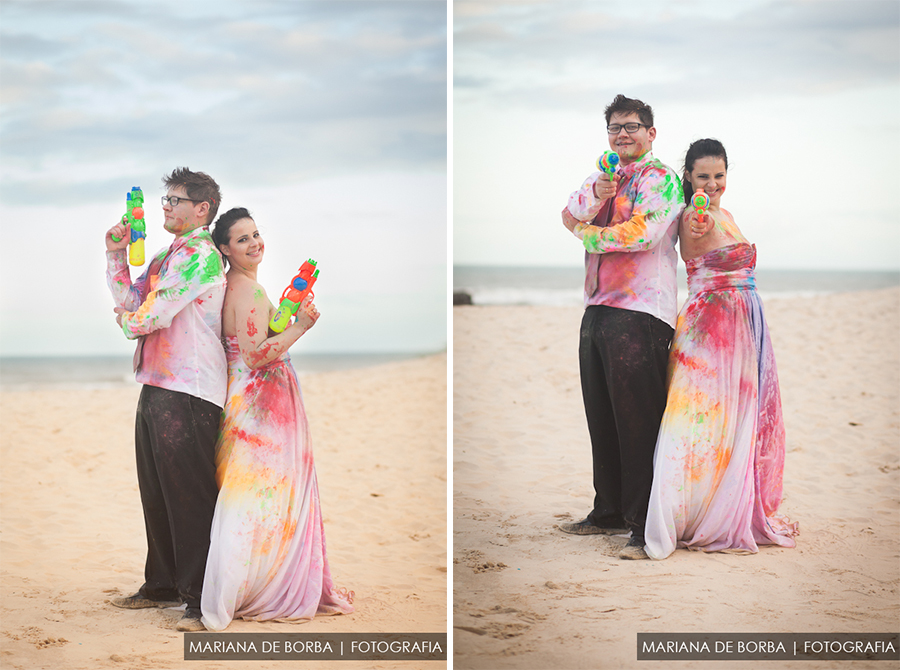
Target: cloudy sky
x,y
329,121
326,119
803,93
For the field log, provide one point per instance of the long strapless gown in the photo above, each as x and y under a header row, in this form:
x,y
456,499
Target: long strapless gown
x,y
719,460
267,558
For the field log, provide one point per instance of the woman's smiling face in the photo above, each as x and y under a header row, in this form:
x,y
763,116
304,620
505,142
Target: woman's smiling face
x,y
709,173
245,246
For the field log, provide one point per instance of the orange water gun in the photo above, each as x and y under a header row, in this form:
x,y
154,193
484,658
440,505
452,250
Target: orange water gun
x,y
300,286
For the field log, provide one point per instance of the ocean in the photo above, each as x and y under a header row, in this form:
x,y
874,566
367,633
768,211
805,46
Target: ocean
x,y
550,286
562,286
99,372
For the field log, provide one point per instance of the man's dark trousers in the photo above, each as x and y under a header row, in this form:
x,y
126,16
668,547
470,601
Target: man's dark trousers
x,y
623,357
175,443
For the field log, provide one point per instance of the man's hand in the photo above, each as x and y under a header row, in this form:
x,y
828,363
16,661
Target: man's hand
x,y
120,231
604,188
119,312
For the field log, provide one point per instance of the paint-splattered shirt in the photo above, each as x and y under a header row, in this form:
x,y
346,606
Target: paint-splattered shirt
x,y
631,259
175,313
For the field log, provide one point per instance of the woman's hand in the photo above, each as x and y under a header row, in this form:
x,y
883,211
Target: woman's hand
x,y
699,229
307,315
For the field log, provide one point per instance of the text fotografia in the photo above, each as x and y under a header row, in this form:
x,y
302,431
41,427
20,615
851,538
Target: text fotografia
x,y
315,646
768,646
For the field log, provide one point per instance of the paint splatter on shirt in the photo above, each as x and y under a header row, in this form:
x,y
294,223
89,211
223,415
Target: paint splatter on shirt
x,y
174,310
717,469
267,557
629,240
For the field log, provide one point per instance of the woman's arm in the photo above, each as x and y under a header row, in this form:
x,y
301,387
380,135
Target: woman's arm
x,y
252,310
696,239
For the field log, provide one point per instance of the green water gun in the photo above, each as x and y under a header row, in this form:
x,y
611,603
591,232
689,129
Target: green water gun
x,y
134,214
700,201
134,217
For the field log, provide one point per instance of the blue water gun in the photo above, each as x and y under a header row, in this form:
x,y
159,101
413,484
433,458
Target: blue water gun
x,y
607,163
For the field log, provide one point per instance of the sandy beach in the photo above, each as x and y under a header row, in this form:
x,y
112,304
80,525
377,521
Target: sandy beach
x,y
73,533
529,596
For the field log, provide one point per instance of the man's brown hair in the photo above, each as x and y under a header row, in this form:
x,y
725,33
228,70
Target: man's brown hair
x,y
623,105
199,186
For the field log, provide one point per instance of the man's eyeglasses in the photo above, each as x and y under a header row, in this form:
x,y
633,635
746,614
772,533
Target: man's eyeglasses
x,y
174,200
615,128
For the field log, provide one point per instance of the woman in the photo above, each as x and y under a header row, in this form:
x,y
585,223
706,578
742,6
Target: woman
x,y
267,555
719,457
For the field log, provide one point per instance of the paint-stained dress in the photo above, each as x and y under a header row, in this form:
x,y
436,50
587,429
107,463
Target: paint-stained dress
x,y
717,473
267,558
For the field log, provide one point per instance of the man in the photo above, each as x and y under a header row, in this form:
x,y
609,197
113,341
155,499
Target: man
x,y
628,226
174,310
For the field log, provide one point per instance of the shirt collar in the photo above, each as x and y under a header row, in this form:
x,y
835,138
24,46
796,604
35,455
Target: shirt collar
x,y
630,169
190,239
196,233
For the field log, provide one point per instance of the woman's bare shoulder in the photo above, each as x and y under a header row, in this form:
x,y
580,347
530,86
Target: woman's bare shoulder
x,y
241,286
243,294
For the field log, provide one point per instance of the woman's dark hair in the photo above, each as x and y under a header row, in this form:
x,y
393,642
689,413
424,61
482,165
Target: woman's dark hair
x,y
221,232
707,148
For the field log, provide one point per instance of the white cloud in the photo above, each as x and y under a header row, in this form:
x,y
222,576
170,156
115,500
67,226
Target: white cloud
x,y
285,104
778,83
538,54
293,89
